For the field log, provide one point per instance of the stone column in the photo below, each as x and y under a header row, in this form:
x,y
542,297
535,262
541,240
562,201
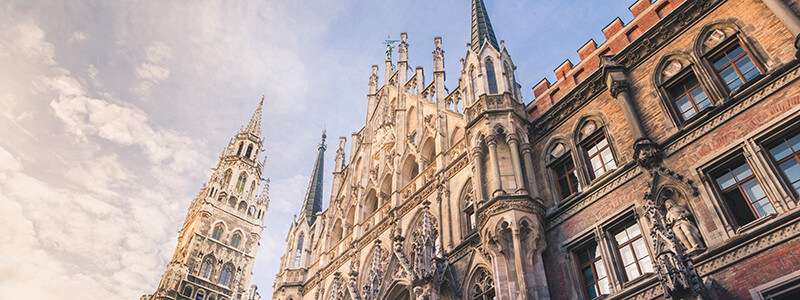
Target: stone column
x,y
528,157
787,17
523,284
491,142
513,142
477,159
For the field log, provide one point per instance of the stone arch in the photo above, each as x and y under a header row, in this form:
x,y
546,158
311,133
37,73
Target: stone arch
x,y
399,290
458,135
481,284
583,133
467,205
350,218
232,201
427,152
557,151
491,75
386,188
410,170
336,232
242,206
370,203
413,122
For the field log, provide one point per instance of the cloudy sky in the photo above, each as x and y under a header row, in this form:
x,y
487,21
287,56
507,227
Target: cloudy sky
x,y
113,112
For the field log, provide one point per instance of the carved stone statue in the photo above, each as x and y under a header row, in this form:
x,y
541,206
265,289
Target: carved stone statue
x,y
679,219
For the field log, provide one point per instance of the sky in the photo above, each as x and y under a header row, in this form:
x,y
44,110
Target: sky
x,y
112,114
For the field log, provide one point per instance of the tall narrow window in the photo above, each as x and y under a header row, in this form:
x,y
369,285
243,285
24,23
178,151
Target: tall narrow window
x,y
490,77
734,66
688,96
743,196
483,289
786,153
206,266
632,251
241,182
226,179
298,251
593,273
469,207
239,152
474,77
217,232
566,176
599,155
249,151
236,240
187,291
226,275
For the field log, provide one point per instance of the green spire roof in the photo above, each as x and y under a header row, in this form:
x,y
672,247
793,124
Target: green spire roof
x,y
481,27
313,201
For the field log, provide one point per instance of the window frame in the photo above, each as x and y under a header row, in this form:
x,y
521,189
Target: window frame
x,y
221,231
555,165
593,139
719,50
738,158
769,144
623,225
676,80
592,265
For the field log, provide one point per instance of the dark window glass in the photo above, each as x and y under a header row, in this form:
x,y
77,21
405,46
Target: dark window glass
x,y
593,274
217,232
787,154
689,97
735,66
567,177
632,251
742,193
491,77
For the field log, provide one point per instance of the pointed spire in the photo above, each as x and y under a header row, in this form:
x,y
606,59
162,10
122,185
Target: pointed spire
x,y
313,201
254,126
481,27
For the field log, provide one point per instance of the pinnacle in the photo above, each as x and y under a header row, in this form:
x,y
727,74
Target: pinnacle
x,y
482,31
254,127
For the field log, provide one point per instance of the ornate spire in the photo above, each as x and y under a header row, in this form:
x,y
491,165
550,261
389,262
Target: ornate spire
x,y
313,201
481,27
254,126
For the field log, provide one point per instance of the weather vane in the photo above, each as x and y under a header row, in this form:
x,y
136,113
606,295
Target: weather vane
x,y
389,45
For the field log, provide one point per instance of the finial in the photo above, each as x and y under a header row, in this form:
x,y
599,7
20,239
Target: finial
x,y
262,101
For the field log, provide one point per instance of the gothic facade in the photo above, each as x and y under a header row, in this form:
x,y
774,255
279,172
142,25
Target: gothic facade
x,y
665,164
218,240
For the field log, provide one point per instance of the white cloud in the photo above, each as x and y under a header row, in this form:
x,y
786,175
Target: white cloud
x,y
77,37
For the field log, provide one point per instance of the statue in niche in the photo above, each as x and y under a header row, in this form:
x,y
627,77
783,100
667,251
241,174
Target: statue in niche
x,y
679,219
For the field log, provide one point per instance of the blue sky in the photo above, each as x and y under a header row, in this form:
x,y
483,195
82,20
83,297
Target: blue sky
x,y
113,112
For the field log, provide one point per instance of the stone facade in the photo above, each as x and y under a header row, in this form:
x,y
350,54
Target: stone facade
x,y
666,164
218,241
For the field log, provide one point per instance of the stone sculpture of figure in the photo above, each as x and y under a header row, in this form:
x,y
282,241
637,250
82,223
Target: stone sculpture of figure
x,y
389,52
678,218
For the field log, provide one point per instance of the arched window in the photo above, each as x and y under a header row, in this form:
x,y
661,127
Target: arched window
x,y
490,77
217,234
239,152
299,251
187,291
200,295
251,211
483,288
226,275
596,149
468,207
410,170
249,150
206,266
509,73
252,188
221,196
563,170
226,178
211,192
729,54
212,297
232,201
242,206
370,204
336,233
687,98
241,182
236,240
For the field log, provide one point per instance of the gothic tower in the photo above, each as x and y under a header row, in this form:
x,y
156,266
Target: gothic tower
x,y
218,241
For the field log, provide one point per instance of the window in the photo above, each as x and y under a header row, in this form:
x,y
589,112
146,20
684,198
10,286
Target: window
x,y
299,251
226,179
491,77
236,240
734,66
474,76
200,295
206,266
225,276
217,232
786,153
469,207
251,211
187,291
239,152
593,273
211,192
743,196
599,155
632,251
249,151
242,206
565,173
241,182
688,96
483,289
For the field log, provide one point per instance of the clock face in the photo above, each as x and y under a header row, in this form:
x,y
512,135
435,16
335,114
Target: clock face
x,y
589,128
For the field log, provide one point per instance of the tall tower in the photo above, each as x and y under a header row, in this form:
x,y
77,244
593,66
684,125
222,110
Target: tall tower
x,y
303,232
218,241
